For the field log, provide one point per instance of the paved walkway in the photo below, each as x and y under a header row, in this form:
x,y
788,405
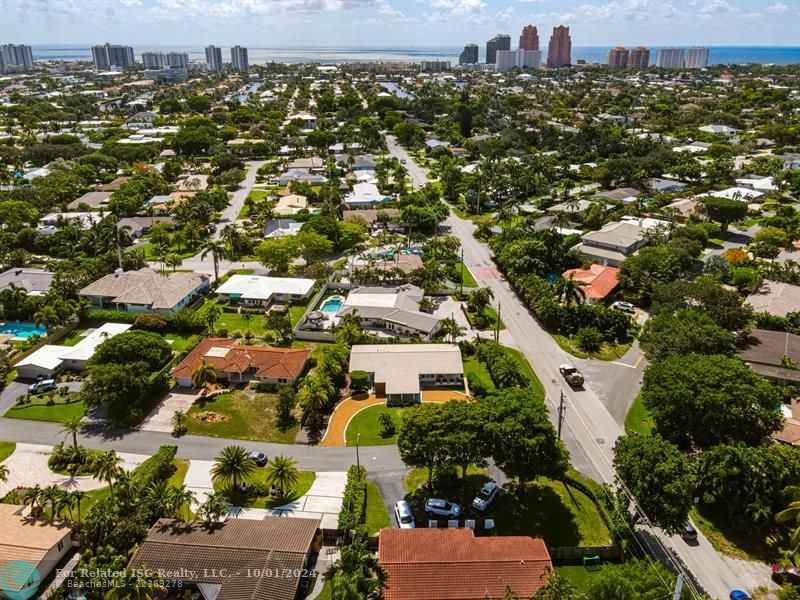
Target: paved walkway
x,y
27,467
160,418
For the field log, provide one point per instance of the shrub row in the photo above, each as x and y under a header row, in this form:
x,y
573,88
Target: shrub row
x,y
185,321
354,501
158,467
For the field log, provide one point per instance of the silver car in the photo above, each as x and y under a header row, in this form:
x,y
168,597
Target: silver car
x,y
402,512
442,507
486,496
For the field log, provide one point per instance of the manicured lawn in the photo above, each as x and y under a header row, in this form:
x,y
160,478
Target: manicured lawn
x,y
466,276
181,466
304,482
234,321
474,367
296,311
578,575
377,516
64,409
179,342
367,424
553,510
447,482
733,541
241,414
526,370
73,337
638,419
488,321
606,352
12,375
151,254
6,450
325,593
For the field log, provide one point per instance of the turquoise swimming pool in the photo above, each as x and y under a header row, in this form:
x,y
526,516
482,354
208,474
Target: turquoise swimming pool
x,y
22,330
332,305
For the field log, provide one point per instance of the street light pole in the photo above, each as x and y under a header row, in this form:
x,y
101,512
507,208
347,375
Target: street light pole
x,y
358,462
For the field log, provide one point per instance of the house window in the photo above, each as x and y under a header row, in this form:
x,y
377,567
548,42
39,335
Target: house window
x,y
60,546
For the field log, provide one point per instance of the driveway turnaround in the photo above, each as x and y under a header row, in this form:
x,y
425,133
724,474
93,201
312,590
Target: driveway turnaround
x,y
160,418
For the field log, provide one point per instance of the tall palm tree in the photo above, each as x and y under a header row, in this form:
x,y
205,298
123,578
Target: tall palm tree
x,y
72,427
107,468
132,584
78,496
570,290
179,501
217,251
451,329
203,374
282,472
233,465
314,394
480,299
48,316
51,496
3,473
211,315
356,575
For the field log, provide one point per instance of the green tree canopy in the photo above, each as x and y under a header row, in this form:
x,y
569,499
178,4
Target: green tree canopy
x,y
684,332
133,346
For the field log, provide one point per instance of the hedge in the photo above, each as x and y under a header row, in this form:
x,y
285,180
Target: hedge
x,y
158,467
185,321
354,501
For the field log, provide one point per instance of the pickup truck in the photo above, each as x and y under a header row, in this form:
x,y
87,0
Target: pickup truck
x,y
571,375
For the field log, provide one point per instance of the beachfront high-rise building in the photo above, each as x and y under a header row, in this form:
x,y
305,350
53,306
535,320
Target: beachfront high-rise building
x,y
639,57
16,57
153,60
519,59
696,58
469,56
505,60
176,60
617,58
239,58
671,58
529,40
559,51
214,59
112,57
501,41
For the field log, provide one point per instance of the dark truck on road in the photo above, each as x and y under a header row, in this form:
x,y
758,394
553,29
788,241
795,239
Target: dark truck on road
x,y
571,375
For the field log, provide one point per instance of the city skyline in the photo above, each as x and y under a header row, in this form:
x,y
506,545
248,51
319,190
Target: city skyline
x,y
359,23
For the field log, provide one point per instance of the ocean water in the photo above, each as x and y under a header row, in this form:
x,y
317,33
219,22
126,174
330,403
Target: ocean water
x,y
780,55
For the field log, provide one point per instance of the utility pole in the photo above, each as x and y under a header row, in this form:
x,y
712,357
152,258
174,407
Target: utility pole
x,y
561,410
678,588
358,462
497,325
463,266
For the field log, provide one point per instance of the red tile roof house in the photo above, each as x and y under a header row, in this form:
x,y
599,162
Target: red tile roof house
x,y
453,564
236,363
599,280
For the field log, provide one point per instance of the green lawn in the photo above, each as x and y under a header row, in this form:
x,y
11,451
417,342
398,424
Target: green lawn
x,y
366,423
606,352
448,483
487,322
466,276
237,498
73,337
181,466
731,540
638,419
6,450
553,510
61,412
296,311
11,376
234,321
150,251
377,516
578,575
526,369
180,342
325,593
477,369
244,414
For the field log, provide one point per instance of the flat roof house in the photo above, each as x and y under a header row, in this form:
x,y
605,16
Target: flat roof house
x,y
237,363
238,559
612,244
598,281
34,281
399,371
146,291
34,546
393,309
257,290
453,564
301,175
50,359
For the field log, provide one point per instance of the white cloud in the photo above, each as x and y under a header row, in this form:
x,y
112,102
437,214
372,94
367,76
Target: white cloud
x,y
713,7
778,8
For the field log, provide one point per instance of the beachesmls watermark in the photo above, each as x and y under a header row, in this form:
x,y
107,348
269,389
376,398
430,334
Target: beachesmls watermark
x,y
19,579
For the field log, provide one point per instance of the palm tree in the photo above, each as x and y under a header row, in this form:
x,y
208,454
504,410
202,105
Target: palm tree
x,y
47,316
791,513
33,497
570,290
451,329
217,251
106,468
178,422
179,501
72,427
3,473
356,575
203,374
248,317
282,473
50,496
78,496
213,509
480,299
173,260
132,584
212,313
233,465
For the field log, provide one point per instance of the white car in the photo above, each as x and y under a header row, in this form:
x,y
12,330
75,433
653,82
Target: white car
x,y
45,385
442,507
624,306
402,512
486,496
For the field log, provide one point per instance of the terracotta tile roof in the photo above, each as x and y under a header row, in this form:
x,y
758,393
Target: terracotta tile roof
x,y
599,280
248,559
453,564
228,356
25,538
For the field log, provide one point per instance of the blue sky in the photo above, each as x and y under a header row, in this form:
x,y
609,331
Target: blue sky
x,y
397,22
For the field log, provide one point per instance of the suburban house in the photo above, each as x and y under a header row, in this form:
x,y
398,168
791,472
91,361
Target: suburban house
x,y
598,281
51,358
715,129
313,163
35,282
612,244
365,194
405,262
279,228
682,208
776,298
394,310
453,564
115,185
735,193
290,205
52,222
374,218
237,363
773,354
145,290
29,550
309,121
94,200
400,371
139,226
660,186
301,175
790,434
268,557
625,195
257,290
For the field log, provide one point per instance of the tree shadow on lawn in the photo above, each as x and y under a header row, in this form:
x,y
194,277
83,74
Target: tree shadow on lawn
x,y
247,500
749,543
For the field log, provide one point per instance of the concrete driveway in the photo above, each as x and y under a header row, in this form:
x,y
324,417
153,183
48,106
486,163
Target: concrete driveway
x,y
160,418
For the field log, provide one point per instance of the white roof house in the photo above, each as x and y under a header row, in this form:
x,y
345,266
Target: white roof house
x,y
400,370
365,194
257,289
736,193
49,359
718,129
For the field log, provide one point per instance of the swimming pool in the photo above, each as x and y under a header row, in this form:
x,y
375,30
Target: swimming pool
x,y
332,305
22,331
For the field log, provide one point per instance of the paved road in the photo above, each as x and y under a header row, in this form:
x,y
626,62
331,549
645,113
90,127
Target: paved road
x,y
594,416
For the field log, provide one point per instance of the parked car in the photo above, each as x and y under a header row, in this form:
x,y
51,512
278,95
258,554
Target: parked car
x,y
259,458
486,496
572,376
402,512
624,306
45,385
785,574
403,161
739,595
442,507
688,532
